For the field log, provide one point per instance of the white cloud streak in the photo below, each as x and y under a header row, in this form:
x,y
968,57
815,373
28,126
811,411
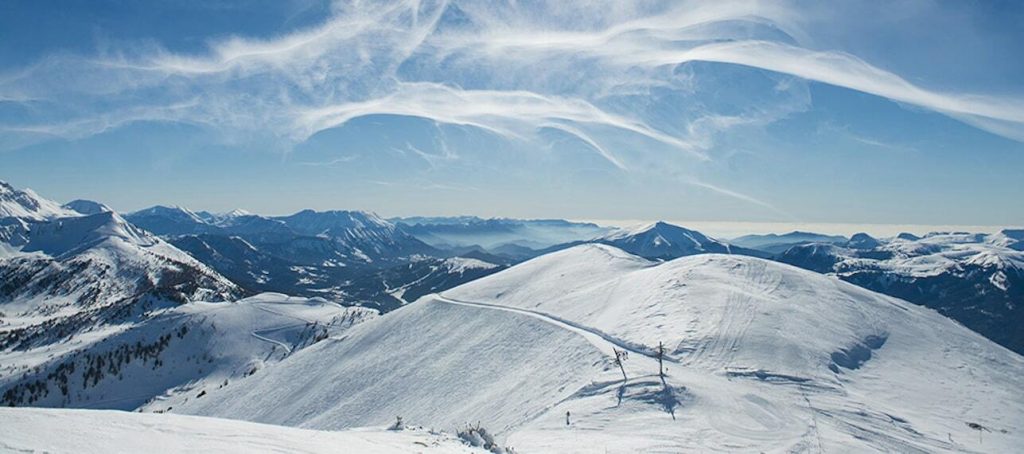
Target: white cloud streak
x,y
509,69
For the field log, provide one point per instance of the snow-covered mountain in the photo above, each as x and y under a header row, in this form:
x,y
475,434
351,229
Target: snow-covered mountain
x,y
760,356
27,205
86,207
976,279
348,256
174,220
361,234
863,241
74,274
171,355
96,312
264,268
663,241
308,237
66,282
775,243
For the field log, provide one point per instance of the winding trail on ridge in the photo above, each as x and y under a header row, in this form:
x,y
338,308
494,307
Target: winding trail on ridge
x,y
286,348
602,341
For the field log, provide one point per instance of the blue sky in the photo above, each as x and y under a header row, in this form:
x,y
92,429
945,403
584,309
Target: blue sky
x,y
905,112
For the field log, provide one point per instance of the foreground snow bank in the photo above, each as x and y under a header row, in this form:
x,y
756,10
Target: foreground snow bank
x,y
95,431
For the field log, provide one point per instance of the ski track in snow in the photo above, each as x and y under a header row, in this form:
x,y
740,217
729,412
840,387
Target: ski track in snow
x,y
736,318
602,341
286,348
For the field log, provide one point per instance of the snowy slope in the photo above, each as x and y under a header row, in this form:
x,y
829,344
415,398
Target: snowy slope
x,y
761,357
102,432
170,356
433,363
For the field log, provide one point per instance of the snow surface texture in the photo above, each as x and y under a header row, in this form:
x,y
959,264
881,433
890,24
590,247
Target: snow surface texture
x,y
103,432
760,357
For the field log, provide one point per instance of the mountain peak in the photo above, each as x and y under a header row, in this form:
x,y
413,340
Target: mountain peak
x,y
658,227
26,204
86,207
863,241
664,241
68,234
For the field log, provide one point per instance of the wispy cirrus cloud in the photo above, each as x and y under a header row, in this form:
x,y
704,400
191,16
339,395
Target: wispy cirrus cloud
x,y
606,73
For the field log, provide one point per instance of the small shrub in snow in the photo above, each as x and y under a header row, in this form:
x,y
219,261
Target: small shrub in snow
x,y
477,436
398,425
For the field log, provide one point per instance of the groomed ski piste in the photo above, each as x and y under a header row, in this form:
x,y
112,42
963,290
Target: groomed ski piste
x,y
759,357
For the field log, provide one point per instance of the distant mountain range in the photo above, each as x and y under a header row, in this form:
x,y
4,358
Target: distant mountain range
x,y
348,256
498,235
773,243
976,279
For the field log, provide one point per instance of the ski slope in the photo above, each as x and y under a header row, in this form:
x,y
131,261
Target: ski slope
x,y
760,357
416,362
102,432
